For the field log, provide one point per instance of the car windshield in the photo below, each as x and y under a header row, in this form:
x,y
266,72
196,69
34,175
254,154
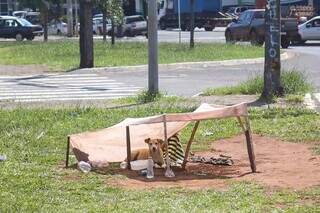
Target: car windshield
x,y
24,22
134,19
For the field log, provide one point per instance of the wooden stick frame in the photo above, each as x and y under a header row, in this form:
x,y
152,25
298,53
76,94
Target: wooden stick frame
x,y
245,125
166,140
67,152
128,146
186,154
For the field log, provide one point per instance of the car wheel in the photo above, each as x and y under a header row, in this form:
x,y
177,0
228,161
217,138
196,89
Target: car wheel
x,y
183,28
162,26
285,42
19,37
255,39
30,38
208,28
229,38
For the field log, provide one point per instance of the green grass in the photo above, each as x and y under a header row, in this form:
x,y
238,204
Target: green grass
x,y
294,82
64,55
33,178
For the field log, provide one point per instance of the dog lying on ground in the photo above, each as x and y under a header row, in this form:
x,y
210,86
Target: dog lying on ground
x,y
157,151
154,150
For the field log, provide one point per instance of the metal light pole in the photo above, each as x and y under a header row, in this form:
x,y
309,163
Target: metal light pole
x,y
179,20
153,47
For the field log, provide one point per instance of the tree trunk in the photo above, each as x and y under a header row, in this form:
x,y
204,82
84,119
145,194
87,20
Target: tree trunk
x,y
70,18
104,25
272,67
86,34
192,23
45,12
112,32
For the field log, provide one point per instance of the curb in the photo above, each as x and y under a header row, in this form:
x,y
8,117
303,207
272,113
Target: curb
x,y
201,64
311,101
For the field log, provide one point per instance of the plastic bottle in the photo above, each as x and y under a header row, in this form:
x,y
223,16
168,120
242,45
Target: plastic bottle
x,y
3,158
84,166
150,172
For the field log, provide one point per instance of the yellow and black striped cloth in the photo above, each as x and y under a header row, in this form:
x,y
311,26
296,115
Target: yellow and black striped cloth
x,y
176,153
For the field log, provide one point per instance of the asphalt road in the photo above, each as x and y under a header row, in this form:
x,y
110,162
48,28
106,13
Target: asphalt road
x,y
217,35
189,81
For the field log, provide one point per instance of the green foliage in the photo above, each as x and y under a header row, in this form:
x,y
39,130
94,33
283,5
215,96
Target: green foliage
x,y
113,9
65,54
293,81
33,178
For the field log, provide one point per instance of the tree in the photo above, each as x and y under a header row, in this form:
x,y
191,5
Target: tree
x,y
113,10
86,34
44,8
192,23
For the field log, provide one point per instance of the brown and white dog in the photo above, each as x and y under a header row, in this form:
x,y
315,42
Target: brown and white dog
x,y
155,151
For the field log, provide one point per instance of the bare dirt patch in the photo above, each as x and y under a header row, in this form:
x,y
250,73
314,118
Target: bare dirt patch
x,y
279,164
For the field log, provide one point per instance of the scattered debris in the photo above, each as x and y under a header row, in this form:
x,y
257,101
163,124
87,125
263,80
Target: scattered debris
x,y
221,160
3,158
84,166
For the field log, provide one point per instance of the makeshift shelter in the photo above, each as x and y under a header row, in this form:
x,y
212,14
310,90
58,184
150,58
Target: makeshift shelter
x,y
115,143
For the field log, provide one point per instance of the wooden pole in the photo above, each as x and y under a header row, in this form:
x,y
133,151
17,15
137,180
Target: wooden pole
x,y
241,124
128,147
166,140
272,65
186,154
67,153
250,146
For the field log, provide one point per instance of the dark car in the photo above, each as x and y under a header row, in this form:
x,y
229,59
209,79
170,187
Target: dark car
x,y
250,26
18,28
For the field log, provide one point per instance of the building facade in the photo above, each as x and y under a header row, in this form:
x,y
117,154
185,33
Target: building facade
x,y
7,7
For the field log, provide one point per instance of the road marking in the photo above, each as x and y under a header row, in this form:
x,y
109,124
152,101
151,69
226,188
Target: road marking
x,y
62,87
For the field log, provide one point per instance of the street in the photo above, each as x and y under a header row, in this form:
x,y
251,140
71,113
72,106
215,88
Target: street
x,y
182,80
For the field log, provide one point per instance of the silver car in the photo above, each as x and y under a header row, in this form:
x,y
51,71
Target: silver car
x,y
132,26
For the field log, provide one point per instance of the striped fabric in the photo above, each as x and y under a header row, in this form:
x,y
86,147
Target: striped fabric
x,y
176,153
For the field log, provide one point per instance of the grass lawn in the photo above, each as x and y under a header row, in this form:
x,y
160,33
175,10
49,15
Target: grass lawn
x,y
64,55
34,140
294,83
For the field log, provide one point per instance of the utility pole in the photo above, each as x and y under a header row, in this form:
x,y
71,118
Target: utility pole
x,y
70,18
153,47
192,23
272,66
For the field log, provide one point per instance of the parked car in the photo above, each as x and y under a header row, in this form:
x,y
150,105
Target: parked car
x,y
32,17
250,26
18,28
97,25
57,27
236,11
132,26
309,30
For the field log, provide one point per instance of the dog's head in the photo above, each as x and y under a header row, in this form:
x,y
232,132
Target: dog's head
x,y
154,144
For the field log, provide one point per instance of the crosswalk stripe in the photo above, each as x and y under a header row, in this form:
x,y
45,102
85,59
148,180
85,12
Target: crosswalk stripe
x,y
62,87
69,99
24,90
5,94
48,76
